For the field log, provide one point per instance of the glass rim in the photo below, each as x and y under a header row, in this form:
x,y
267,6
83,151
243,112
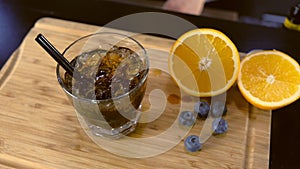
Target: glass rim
x,y
60,79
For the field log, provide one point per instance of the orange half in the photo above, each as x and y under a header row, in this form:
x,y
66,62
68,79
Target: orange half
x,y
269,79
204,62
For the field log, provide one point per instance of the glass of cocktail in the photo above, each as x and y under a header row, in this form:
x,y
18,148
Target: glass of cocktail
x,y
108,82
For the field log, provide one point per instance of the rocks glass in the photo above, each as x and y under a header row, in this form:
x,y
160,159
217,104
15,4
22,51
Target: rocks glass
x,y
108,83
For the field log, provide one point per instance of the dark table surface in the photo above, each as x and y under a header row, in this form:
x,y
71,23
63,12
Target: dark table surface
x,y
17,17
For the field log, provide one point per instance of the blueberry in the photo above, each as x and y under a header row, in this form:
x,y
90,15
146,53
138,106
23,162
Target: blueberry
x,y
192,143
187,118
202,109
218,109
220,126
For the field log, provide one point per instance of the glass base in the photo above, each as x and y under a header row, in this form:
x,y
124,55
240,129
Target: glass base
x,y
114,133
102,129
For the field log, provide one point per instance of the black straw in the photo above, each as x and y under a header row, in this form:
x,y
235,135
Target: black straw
x,y
54,53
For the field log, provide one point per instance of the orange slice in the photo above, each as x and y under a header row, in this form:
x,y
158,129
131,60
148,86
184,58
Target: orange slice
x,y
269,79
204,62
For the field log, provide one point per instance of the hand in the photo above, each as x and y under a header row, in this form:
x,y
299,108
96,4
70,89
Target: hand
x,y
193,7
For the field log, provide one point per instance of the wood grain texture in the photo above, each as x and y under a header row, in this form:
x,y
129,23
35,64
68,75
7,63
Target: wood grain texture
x,y
39,127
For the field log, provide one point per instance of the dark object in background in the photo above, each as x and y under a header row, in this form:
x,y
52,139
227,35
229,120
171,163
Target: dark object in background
x,y
293,19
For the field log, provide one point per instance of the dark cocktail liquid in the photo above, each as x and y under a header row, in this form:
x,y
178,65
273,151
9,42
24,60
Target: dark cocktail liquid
x,y
111,77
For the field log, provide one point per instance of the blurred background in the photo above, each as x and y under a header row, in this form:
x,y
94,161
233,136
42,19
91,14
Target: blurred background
x,y
262,12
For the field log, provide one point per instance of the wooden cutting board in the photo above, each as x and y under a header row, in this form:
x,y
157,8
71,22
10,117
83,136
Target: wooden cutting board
x,y
39,127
